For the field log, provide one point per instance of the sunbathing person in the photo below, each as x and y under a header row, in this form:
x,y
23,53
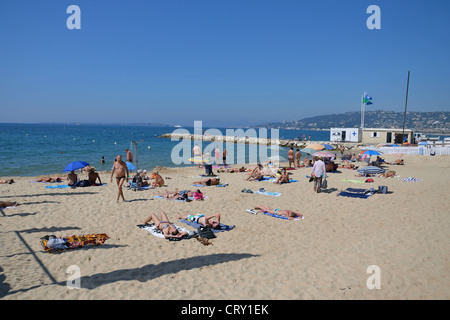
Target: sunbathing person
x,y
201,219
93,176
168,229
159,181
398,162
5,204
256,174
49,179
72,178
231,170
208,182
9,181
387,174
348,165
283,178
287,213
197,195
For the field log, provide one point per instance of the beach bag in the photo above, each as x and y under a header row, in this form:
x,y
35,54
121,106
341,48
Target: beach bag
x,y
198,196
324,184
382,189
205,232
369,180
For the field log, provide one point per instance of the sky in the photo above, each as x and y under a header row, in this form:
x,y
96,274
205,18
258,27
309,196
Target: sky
x,y
224,62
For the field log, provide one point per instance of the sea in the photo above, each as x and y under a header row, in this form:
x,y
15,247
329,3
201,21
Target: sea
x,y
46,149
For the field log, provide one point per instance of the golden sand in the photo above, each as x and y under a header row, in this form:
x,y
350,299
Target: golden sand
x,y
324,256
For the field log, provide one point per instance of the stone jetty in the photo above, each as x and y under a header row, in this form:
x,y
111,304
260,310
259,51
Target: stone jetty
x,y
254,140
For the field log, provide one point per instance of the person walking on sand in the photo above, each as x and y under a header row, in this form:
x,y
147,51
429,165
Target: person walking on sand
x,y
120,168
129,155
318,171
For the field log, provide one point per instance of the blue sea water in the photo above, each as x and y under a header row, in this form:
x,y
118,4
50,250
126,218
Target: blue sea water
x,y
43,149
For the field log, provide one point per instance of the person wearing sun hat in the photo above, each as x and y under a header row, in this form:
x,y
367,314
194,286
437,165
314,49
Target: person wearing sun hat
x,y
318,171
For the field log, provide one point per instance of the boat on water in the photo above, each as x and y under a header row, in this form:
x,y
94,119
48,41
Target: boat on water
x,y
178,126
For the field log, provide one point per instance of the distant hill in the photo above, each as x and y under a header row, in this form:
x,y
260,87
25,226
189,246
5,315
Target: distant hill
x,y
438,121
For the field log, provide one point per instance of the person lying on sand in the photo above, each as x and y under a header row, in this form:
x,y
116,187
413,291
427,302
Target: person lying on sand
x,y
398,162
387,174
208,182
347,165
287,213
176,194
50,179
168,229
231,170
201,219
9,181
5,204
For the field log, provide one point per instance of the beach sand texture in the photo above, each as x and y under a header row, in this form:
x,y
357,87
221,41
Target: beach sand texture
x,y
405,233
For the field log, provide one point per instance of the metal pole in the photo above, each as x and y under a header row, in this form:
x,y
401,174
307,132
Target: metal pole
x,y
406,104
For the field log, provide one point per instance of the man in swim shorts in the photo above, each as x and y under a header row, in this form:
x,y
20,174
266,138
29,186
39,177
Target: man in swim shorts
x,y
120,167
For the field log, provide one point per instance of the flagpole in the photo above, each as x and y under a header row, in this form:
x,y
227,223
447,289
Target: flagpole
x,y
406,103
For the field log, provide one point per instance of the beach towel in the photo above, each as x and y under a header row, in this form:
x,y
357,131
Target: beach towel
x,y
158,233
354,181
53,244
357,193
61,186
222,227
267,193
217,185
410,179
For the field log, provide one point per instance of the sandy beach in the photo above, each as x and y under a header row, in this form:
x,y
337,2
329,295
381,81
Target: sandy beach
x,y
405,233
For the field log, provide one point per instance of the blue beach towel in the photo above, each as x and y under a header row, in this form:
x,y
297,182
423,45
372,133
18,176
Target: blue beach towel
x,y
222,227
267,193
61,186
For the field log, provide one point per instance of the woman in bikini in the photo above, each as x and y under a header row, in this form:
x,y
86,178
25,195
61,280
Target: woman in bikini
x,y
287,213
168,228
201,219
283,178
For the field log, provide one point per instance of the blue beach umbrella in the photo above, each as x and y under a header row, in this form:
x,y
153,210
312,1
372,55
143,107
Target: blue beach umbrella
x,y
372,153
75,166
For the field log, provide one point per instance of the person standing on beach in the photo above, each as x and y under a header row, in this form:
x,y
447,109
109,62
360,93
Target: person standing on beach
x,y
217,151
318,171
197,154
224,156
120,168
297,158
291,157
129,155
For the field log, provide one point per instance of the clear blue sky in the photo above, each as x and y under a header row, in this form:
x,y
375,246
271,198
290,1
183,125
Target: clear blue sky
x,y
226,62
